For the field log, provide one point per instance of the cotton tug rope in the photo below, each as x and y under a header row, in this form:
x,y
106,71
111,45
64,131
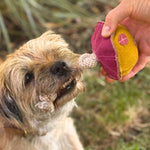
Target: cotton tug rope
x,y
87,61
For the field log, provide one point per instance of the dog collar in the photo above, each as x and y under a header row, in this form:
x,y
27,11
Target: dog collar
x,y
23,133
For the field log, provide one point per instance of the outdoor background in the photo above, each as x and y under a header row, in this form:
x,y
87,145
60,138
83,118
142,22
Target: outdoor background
x,y
109,116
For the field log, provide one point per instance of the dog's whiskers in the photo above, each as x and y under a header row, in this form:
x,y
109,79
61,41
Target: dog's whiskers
x,y
43,105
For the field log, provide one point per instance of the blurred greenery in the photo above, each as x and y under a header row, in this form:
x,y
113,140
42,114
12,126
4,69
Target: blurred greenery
x,y
21,20
110,116
114,116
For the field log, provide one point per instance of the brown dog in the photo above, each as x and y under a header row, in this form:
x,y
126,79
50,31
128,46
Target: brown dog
x,y
38,84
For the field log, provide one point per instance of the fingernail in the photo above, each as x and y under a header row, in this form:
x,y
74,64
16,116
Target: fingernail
x,y
106,31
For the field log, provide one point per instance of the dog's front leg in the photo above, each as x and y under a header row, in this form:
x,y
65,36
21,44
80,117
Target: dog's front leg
x,y
73,142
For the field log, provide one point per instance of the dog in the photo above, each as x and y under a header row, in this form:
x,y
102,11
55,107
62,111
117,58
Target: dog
x,y
38,86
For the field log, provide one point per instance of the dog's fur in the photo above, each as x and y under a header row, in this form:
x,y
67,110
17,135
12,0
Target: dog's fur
x,y
38,84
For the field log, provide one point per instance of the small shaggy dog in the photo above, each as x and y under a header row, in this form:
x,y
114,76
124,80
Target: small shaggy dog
x,y
38,84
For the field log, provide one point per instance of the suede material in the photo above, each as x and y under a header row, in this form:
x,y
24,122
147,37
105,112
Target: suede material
x,y
127,53
117,54
105,52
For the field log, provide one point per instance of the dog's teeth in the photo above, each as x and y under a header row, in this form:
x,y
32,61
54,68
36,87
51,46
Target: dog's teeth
x,y
66,83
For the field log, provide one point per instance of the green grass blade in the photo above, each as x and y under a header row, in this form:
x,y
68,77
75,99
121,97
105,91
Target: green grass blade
x,y
29,16
5,33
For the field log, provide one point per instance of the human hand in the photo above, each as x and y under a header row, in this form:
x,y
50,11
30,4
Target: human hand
x,y
134,15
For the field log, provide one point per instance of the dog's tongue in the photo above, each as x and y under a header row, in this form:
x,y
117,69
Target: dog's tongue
x,y
87,61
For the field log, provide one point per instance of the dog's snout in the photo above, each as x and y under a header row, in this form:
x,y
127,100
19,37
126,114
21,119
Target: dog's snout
x,y
60,68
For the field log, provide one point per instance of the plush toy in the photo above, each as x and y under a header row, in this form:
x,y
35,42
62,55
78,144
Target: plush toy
x,y
117,54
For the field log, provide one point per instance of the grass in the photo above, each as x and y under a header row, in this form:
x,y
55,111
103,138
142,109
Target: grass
x,y
30,16
21,20
111,116
25,19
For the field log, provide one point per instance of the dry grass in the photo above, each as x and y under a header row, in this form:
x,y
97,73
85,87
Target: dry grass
x,y
110,116
114,116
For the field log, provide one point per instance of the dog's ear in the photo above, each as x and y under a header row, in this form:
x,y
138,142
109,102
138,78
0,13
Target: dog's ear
x,y
9,108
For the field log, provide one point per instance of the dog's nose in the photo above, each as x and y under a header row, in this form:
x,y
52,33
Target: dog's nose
x,y
60,68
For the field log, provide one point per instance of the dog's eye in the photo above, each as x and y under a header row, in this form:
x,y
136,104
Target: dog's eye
x,y
28,78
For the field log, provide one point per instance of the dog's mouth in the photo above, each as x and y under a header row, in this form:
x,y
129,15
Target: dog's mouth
x,y
66,88
65,92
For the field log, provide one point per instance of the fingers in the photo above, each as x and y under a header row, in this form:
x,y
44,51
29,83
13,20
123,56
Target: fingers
x,y
109,80
103,72
138,67
114,17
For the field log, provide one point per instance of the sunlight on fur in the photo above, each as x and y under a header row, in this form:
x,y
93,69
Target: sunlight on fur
x,y
39,83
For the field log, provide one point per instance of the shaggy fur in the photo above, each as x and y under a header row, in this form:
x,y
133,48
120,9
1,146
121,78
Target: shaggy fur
x,y
38,84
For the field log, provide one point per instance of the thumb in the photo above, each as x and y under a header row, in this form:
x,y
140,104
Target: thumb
x,y
114,17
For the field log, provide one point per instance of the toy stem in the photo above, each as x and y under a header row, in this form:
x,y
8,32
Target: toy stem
x,y
87,61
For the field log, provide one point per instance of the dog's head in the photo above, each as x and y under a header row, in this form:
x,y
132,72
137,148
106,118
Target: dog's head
x,y
38,80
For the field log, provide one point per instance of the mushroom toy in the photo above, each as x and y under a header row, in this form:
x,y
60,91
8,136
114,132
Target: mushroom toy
x,y
117,54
